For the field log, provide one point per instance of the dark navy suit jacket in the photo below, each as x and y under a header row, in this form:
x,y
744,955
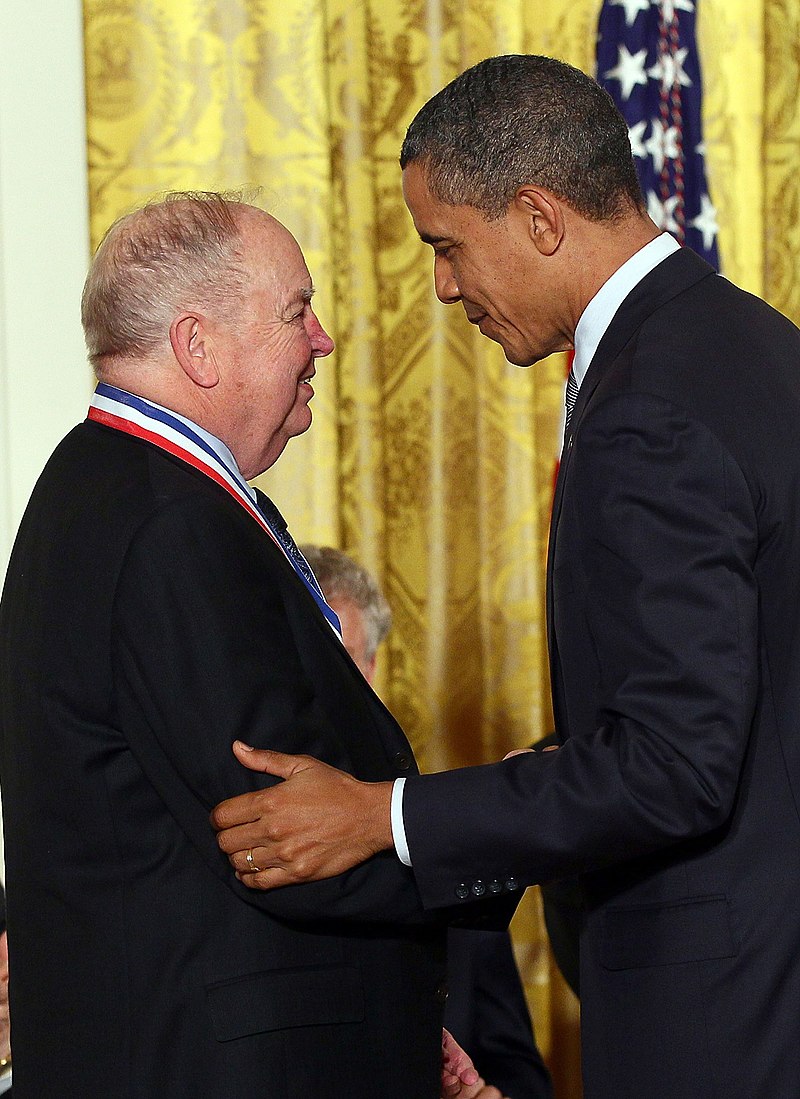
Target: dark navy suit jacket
x,y
674,625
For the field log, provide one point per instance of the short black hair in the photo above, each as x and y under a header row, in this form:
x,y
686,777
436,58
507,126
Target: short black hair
x,y
524,118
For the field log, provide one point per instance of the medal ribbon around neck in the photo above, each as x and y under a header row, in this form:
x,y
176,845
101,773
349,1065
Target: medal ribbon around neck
x,y
123,411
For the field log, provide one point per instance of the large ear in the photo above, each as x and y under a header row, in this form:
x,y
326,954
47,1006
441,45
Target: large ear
x,y
544,216
193,347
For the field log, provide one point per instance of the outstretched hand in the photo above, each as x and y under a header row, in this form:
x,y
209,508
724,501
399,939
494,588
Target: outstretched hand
x,y
317,823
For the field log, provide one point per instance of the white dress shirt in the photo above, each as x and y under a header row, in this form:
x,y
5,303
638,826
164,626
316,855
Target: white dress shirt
x,y
602,309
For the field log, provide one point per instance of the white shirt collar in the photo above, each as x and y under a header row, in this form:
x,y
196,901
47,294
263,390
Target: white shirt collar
x,y
600,311
217,445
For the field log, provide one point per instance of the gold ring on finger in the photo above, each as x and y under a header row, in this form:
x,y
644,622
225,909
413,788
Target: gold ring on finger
x,y
250,862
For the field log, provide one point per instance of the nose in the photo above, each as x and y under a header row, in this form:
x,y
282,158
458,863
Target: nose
x,y
445,281
321,343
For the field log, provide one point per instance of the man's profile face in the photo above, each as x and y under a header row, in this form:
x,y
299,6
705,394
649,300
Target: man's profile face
x,y
268,350
492,268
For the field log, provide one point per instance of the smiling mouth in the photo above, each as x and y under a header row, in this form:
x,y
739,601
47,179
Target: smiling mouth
x,y
307,379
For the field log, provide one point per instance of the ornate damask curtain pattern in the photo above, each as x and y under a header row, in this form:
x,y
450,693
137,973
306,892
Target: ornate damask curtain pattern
x,y
430,458
782,156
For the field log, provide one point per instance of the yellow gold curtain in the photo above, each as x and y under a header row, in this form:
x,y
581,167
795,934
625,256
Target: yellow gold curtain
x,y
431,459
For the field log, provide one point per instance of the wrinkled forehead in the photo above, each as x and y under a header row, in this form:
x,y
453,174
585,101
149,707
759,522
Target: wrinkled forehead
x,y
272,253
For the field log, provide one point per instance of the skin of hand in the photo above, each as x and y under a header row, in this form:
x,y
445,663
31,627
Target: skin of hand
x,y
524,751
480,1090
315,824
459,1077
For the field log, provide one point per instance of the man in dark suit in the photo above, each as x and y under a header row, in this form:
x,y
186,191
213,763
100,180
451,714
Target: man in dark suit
x,y
155,609
673,605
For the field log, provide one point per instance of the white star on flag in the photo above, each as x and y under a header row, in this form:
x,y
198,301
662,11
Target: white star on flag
x,y
663,111
663,213
662,144
706,222
636,138
669,70
632,8
669,7
629,70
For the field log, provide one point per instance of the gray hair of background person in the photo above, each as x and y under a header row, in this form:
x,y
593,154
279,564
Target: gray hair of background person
x,y
340,576
178,253
523,119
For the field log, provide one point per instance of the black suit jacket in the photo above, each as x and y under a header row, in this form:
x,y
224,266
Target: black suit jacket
x,y
674,608
147,622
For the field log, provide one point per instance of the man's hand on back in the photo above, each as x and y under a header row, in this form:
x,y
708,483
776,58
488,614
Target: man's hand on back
x,y
315,824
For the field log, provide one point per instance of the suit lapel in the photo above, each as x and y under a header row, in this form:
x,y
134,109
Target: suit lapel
x,y
385,721
671,277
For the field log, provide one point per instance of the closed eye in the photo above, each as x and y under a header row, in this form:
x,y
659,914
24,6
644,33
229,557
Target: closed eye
x,y
299,306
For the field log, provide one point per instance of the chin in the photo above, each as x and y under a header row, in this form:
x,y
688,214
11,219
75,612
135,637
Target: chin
x,y
522,358
298,424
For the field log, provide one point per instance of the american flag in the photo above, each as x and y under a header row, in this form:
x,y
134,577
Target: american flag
x,y
647,59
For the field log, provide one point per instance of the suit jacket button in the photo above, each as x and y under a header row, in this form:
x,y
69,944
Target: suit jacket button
x,y
441,993
462,891
478,889
402,761
512,885
495,886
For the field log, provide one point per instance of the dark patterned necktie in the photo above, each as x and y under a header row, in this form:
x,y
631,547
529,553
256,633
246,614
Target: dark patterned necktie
x,y
570,398
281,531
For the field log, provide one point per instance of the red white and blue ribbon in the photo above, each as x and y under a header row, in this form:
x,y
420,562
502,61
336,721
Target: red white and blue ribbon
x,y
123,411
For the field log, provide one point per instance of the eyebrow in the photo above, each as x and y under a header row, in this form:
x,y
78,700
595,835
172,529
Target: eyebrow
x,y
303,294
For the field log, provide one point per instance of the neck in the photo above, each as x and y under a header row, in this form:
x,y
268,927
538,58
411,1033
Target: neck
x,y
154,382
600,249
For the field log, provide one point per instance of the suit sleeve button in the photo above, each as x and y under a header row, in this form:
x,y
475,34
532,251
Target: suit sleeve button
x,y
462,891
441,993
495,886
512,885
478,889
402,761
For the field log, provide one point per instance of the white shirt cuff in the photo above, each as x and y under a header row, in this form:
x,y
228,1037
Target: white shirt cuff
x,y
398,827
